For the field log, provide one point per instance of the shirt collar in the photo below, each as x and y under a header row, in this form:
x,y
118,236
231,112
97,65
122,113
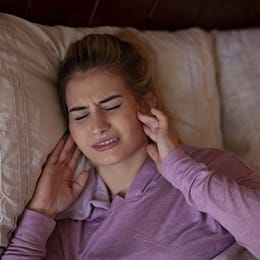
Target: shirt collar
x,y
145,179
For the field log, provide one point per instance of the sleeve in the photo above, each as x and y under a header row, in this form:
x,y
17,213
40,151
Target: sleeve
x,y
232,201
30,238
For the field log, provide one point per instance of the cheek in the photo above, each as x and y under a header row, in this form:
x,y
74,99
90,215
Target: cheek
x,y
132,125
77,133
81,139
73,134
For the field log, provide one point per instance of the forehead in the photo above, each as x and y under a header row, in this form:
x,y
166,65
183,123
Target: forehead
x,y
95,84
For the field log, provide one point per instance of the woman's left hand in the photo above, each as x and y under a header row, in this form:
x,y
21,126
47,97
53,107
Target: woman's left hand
x,y
156,127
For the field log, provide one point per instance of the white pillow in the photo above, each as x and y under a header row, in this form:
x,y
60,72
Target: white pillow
x,y
187,84
30,117
238,55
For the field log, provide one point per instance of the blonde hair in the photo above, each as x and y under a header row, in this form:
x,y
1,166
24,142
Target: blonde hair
x,y
124,54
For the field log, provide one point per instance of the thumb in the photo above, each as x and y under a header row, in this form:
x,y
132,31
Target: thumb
x,y
154,154
79,183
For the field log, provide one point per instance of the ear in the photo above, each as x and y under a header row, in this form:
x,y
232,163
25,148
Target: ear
x,y
150,100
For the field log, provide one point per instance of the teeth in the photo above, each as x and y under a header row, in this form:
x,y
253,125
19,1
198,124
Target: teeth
x,y
107,142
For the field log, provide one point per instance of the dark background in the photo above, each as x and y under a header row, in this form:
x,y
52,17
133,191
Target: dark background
x,y
142,14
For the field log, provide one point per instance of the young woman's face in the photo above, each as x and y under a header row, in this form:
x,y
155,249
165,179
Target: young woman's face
x,y
102,118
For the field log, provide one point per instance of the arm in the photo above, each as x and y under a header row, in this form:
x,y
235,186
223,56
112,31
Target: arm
x,y
233,202
56,190
30,238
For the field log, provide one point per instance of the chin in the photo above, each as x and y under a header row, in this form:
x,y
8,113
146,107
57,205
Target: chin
x,y
108,161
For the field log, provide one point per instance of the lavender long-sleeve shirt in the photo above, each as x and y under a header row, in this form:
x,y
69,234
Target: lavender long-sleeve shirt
x,y
205,201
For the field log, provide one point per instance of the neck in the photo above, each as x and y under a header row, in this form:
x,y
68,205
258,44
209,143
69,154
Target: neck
x,y
118,177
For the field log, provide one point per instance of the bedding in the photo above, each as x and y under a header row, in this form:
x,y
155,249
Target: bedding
x,y
194,70
238,60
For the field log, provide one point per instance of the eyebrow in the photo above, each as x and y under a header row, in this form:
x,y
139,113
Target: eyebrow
x,y
109,99
73,109
105,100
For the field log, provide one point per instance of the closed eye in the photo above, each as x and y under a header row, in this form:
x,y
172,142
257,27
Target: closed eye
x,y
81,117
112,108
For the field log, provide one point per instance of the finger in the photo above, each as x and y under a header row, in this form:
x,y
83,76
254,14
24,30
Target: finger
x,y
69,167
53,157
148,120
69,145
144,118
154,154
72,164
70,154
79,183
61,168
162,119
149,133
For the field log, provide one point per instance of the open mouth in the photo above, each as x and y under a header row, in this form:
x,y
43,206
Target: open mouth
x,y
106,144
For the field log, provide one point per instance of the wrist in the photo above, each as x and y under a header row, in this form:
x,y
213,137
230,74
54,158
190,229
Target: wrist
x,y
43,210
168,146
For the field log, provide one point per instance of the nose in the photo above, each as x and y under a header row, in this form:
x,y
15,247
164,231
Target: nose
x,y
99,123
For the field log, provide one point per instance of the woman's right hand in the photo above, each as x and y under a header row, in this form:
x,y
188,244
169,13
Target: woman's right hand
x,y
56,190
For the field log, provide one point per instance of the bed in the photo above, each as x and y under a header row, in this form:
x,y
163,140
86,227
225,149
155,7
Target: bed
x,y
207,57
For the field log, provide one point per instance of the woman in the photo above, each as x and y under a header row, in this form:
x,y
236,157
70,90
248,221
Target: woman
x,y
163,200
